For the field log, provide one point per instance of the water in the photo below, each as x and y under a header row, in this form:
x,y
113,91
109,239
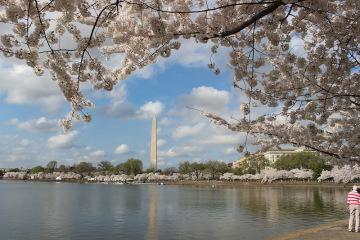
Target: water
x,y
38,210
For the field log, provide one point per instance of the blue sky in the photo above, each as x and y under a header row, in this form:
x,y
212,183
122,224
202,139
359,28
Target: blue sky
x,y
30,107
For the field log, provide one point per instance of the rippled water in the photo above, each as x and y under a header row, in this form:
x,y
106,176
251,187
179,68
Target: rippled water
x,y
95,211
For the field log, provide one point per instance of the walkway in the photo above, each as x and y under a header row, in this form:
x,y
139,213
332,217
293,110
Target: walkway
x,y
330,231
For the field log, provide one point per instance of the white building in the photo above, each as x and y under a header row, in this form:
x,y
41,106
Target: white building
x,y
273,155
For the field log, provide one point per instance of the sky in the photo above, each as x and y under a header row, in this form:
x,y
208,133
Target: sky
x,y
30,107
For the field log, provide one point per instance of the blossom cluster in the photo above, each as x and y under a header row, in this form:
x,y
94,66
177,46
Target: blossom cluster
x,y
271,174
343,174
301,57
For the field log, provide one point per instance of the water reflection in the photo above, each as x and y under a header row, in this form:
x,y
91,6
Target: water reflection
x,y
279,203
152,233
151,212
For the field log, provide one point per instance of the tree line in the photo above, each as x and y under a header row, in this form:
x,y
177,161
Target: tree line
x,y
130,167
252,164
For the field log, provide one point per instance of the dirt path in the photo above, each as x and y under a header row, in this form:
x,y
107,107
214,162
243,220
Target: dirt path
x,y
330,231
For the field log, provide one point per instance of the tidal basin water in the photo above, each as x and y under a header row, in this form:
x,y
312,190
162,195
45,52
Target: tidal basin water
x,y
39,210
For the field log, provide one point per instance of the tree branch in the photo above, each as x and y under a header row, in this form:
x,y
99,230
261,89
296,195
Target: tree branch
x,y
271,8
158,9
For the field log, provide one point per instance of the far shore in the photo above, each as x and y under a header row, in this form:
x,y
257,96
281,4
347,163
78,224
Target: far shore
x,y
205,183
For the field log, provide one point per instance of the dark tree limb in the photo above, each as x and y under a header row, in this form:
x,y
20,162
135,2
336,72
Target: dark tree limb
x,y
266,11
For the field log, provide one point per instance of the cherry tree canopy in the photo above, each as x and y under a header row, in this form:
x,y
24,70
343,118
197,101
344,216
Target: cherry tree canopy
x,y
315,92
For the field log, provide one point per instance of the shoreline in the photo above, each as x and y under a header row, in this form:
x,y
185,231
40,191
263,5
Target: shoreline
x,y
204,183
336,230
255,183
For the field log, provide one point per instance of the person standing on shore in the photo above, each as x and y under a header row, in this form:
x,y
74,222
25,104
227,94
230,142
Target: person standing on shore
x,y
353,203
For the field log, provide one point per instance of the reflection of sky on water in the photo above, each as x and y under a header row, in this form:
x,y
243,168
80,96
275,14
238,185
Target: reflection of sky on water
x,y
152,212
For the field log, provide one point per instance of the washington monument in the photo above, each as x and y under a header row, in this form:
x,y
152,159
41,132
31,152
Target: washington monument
x,y
153,147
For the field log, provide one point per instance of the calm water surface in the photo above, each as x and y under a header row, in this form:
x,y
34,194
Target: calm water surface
x,y
73,211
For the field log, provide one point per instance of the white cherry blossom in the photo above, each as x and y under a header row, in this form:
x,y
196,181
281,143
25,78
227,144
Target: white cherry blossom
x,y
316,85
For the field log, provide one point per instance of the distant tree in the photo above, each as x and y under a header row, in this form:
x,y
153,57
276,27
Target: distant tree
x,y
240,171
307,160
252,164
51,166
14,170
170,170
184,167
84,168
71,168
105,167
2,173
130,167
37,169
150,170
197,169
216,168
63,168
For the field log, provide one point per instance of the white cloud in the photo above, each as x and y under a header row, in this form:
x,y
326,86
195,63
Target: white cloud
x,y
161,142
203,98
192,149
207,98
165,121
63,140
12,121
98,154
297,45
186,131
22,86
150,109
192,54
148,71
169,153
122,149
24,142
222,139
183,151
120,107
230,150
41,124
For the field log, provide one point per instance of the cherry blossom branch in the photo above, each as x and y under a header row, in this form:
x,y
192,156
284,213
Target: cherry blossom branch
x,y
42,25
158,9
271,8
90,38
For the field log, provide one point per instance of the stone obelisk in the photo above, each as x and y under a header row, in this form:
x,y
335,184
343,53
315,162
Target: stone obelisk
x,y
153,147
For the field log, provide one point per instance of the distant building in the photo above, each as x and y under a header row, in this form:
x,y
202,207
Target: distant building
x,y
272,155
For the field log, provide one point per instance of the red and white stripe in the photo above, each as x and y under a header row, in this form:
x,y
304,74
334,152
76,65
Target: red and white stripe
x,y
353,198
